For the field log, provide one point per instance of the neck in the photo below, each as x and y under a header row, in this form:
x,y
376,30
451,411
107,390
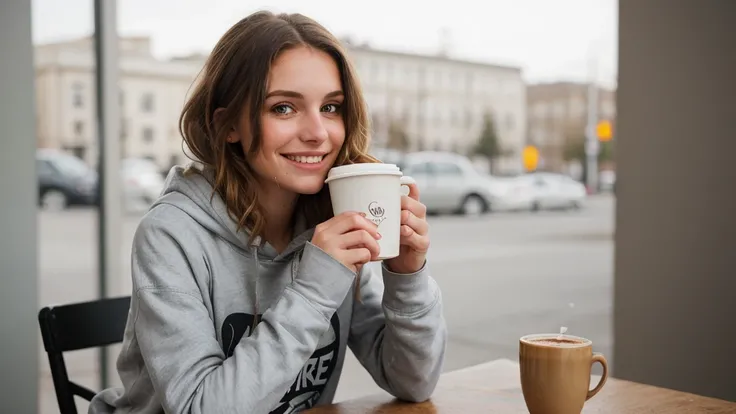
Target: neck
x,y
278,208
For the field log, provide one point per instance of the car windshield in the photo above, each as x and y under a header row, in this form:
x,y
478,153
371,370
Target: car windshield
x,y
71,165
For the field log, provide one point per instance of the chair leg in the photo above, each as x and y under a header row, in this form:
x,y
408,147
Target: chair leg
x,y
64,395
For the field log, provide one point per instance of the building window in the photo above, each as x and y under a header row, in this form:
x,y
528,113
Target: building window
x,y
468,119
147,103
608,109
375,72
509,122
469,82
124,128
78,128
148,135
540,110
77,97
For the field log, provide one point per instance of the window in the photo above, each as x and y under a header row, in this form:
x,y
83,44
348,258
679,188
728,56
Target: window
x,y
78,128
469,82
509,122
70,165
148,134
77,95
147,103
44,168
123,128
446,168
417,169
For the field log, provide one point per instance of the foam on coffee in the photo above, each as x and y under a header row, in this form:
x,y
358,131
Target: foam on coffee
x,y
556,341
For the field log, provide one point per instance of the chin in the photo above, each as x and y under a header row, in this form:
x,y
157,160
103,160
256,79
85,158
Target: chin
x,y
307,188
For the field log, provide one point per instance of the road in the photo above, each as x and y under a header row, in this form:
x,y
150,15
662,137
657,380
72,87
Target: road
x,y
502,276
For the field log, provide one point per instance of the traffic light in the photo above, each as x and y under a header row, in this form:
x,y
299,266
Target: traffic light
x,y
530,157
604,130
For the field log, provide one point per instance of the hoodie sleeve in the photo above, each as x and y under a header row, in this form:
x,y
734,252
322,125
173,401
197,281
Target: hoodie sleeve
x,y
399,335
178,341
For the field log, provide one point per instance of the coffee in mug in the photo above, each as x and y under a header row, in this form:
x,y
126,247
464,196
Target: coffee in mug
x,y
555,372
375,190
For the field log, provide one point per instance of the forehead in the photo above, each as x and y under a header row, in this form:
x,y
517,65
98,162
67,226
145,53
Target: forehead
x,y
305,70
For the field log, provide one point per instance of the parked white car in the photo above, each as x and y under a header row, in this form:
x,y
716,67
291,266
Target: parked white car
x,y
142,183
554,191
450,183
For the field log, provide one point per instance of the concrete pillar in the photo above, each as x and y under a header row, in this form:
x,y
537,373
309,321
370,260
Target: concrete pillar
x,y
18,201
675,266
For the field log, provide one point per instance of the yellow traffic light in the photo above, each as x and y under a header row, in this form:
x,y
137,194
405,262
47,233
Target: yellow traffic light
x,y
604,130
530,157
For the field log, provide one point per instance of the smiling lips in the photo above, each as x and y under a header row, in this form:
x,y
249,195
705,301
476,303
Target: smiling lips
x,y
306,159
313,161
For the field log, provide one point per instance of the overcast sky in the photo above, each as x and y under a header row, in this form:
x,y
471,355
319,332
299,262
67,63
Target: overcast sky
x,y
550,40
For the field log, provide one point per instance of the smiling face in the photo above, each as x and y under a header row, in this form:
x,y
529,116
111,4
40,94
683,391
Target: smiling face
x,y
302,127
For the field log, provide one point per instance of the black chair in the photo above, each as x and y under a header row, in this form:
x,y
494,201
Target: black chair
x,y
79,326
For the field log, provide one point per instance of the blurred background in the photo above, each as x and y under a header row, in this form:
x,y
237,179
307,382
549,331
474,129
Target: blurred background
x,y
504,112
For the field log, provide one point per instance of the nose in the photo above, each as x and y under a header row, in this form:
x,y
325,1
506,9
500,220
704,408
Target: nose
x,y
313,128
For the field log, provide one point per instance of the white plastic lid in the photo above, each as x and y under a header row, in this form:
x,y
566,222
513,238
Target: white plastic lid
x,y
352,170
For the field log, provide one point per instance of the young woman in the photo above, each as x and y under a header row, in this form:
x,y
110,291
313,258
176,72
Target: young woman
x,y
247,292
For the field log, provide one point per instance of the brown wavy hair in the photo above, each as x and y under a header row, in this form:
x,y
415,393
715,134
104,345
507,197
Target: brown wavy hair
x,y
235,78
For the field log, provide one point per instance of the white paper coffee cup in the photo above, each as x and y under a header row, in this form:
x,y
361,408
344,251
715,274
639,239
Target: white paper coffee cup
x,y
374,189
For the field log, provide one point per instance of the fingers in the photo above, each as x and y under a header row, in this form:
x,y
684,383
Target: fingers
x,y
347,222
413,205
355,258
414,240
417,224
361,239
413,192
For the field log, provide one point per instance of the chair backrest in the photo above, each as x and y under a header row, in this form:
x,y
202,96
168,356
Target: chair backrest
x,y
79,326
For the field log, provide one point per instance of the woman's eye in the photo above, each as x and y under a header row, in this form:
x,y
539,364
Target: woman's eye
x,y
283,109
331,108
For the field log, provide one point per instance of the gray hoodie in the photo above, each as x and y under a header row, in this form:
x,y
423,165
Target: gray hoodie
x,y
199,288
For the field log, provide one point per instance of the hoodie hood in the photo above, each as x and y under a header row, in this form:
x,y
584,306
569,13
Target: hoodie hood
x,y
190,189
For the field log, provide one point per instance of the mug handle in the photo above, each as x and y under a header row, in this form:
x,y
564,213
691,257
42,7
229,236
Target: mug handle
x,y
597,357
405,181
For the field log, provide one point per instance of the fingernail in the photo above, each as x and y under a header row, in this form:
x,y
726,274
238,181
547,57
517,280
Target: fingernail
x,y
379,236
362,214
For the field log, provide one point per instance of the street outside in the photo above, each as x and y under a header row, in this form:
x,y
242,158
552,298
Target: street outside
x,y
502,276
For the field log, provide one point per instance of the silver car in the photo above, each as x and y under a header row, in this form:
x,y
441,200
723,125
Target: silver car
x,y
450,183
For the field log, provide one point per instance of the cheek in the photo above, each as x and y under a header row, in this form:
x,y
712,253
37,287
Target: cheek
x,y
336,132
275,136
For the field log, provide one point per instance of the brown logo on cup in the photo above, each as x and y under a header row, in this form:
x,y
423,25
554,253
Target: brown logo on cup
x,y
377,212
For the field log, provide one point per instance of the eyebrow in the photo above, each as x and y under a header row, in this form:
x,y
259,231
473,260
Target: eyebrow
x,y
297,95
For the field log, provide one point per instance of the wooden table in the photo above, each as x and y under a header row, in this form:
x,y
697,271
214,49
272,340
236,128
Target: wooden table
x,y
494,387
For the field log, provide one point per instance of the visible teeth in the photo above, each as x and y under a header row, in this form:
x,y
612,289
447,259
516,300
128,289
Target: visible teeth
x,y
305,160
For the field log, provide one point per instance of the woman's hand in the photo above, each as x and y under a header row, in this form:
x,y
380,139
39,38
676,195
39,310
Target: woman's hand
x,y
349,238
414,237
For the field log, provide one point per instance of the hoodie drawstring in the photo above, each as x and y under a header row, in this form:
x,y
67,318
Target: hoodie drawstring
x,y
256,307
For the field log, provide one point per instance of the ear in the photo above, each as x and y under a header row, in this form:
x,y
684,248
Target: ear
x,y
232,136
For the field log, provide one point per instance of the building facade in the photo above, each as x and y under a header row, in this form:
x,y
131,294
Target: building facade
x,y
439,103
152,93
557,118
